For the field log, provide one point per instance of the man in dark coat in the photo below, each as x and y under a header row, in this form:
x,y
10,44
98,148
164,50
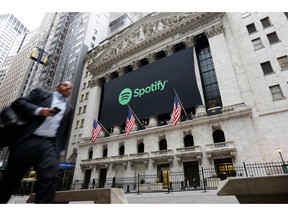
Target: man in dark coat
x,y
41,143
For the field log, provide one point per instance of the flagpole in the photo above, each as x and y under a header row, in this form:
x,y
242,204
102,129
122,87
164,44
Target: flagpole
x,y
136,116
180,103
103,128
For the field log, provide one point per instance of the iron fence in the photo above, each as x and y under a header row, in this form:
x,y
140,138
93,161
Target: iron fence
x,y
205,178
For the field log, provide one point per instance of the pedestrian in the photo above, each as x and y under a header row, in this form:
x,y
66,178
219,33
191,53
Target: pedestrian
x,y
41,143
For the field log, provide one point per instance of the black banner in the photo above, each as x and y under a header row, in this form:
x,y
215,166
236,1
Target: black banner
x,y
149,91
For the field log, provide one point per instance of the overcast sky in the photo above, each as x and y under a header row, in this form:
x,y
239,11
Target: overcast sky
x,y
30,12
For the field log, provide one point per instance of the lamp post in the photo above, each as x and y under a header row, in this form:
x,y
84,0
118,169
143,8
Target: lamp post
x,y
283,165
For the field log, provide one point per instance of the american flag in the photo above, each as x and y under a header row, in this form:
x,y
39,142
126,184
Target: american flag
x,y
95,131
129,122
176,111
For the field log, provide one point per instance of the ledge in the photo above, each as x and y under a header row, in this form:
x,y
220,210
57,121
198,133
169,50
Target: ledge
x,y
253,190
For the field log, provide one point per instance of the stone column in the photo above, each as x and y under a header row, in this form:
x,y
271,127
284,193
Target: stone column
x,y
169,50
151,58
153,122
226,75
121,71
189,41
135,65
117,130
200,111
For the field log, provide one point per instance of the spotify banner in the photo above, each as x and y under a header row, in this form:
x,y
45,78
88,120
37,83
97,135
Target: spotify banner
x,y
149,91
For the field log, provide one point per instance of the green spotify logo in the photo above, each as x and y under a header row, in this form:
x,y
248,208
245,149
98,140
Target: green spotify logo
x,y
125,96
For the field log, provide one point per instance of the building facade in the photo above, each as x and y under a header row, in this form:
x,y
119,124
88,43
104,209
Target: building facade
x,y
240,66
12,34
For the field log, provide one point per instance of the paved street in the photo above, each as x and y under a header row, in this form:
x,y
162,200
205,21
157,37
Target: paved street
x,y
183,197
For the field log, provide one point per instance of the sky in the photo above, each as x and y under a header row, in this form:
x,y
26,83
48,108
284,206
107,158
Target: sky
x,y
31,12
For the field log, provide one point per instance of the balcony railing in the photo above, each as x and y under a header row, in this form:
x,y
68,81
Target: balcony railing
x,y
96,162
191,152
221,148
120,159
162,156
139,158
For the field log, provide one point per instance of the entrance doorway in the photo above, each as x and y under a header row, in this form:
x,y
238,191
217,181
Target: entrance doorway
x,y
87,179
102,178
163,174
223,167
191,174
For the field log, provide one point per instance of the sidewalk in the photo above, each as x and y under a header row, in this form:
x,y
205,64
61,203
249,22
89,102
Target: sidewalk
x,y
182,197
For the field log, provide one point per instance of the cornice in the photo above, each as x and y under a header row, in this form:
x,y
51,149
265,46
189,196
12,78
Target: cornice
x,y
147,32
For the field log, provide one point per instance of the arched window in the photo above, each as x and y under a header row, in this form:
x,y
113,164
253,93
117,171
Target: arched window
x,y
218,136
122,150
105,152
188,140
90,153
141,147
163,144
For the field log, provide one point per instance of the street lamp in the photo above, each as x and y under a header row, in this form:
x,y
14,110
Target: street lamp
x,y
280,150
285,170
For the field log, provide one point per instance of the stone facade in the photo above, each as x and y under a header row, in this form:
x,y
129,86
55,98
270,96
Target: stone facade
x,y
253,123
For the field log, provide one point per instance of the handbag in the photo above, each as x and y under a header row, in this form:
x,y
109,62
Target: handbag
x,y
10,124
9,117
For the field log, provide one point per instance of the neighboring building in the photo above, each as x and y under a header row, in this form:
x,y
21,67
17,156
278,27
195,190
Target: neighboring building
x,y
230,72
10,27
121,20
55,45
12,33
18,43
85,32
20,75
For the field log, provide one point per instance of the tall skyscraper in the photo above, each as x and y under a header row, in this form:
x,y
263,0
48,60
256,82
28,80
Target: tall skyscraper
x,y
85,32
19,76
12,35
10,27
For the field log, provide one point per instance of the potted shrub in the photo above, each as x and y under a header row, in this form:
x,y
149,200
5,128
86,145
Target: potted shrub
x,y
142,181
232,173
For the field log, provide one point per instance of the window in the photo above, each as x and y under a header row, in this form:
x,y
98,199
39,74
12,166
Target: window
x,y
251,28
77,124
105,152
141,147
283,62
82,123
218,136
122,150
266,22
276,92
90,154
87,95
79,110
266,67
272,37
188,140
286,14
84,108
257,43
163,144
82,97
